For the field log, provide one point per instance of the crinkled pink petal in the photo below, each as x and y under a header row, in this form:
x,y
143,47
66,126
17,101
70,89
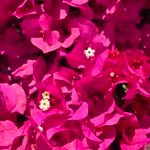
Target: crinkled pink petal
x,y
37,116
122,112
65,136
79,2
63,11
89,134
143,91
17,46
58,76
16,143
66,74
74,144
99,120
24,144
81,113
24,130
25,69
24,9
51,131
140,136
39,69
54,120
21,99
38,42
13,98
32,87
74,34
129,147
108,137
102,39
99,63
8,98
74,98
31,27
111,11
53,38
88,9
113,119
8,131
43,143
45,22
76,57
76,2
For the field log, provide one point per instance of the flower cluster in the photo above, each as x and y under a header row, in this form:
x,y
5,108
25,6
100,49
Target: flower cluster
x,y
74,75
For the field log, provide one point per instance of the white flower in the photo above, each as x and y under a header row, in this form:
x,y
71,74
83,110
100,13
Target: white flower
x,y
44,104
112,74
40,128
89,53
45,95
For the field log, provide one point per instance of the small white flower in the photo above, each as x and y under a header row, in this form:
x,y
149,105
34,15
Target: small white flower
x,y
89,52
45,95
44,104
112,74
40,128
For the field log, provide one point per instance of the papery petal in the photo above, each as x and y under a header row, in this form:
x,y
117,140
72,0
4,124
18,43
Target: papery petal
x,y
8,131
76,2
76,144
74,34
54,120
42,143
39,69
31,27
25,8
38,42
98,66
99,120
37,116
25,69
108,137
45,22
21,99
8,98
63,11
89,134
81,113
113,119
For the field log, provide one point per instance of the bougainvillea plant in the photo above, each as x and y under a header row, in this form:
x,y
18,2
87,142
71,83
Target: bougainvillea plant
x,y
75,75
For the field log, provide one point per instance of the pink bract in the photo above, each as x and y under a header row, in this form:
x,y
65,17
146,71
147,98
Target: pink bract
x,y
74,75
